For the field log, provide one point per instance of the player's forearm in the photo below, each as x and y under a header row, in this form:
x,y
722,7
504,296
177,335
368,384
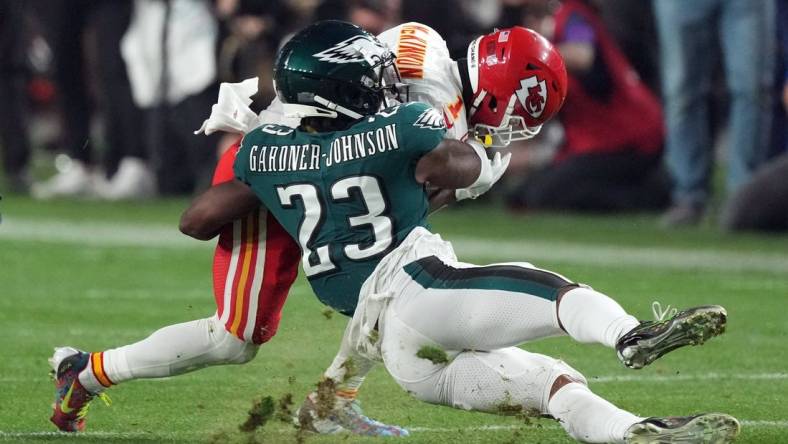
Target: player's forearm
x,y
216,207
453,164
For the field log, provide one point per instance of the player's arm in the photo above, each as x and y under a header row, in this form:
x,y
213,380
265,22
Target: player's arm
x,y
452,164
217,206
459,171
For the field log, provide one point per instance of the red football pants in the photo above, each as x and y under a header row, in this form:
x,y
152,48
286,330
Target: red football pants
x,y
254,266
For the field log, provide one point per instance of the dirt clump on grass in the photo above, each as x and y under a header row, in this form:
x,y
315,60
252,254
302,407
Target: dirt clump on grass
x,y
262,410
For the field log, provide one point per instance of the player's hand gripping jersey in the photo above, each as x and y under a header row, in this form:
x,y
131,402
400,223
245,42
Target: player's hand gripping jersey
x,y
348,197
432,76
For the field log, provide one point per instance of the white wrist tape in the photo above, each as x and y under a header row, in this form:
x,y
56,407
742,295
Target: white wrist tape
x,y
486,170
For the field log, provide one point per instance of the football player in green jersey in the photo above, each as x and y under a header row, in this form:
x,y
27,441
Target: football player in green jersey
x,y
349,185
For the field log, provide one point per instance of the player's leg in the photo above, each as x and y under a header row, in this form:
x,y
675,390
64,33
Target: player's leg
x,y
512,381
170,351
502,305
333,408
254,266
507,381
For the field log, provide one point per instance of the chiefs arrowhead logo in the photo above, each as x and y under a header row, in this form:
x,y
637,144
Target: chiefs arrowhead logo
x,y
532,95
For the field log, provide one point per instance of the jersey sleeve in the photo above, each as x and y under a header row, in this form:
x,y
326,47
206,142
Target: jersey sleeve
x,y
423,128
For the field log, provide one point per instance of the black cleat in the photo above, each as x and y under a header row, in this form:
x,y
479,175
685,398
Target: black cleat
x,y
707,428
651,339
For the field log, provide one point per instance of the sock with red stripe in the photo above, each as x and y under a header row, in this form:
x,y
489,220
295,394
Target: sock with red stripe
x,y
93,377
169,351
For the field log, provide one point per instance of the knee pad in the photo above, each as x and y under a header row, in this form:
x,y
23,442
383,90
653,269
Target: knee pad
x,y
228,348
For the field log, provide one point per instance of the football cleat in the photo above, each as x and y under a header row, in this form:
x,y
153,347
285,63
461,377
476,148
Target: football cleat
x,y
708,428
343,417
651,339
72,400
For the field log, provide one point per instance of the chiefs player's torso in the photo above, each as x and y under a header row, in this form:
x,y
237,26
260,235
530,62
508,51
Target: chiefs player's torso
x,y
424,64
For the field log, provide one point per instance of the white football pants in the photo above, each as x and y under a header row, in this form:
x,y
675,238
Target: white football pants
x,y
477,315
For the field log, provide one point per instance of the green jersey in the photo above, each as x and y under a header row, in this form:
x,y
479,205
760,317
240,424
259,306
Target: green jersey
x,y
347,197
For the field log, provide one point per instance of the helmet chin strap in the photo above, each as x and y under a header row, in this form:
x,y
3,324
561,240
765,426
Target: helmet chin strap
x,y
337,108
298,111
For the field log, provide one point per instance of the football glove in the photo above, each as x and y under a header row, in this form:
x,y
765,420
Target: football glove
x,y
492,170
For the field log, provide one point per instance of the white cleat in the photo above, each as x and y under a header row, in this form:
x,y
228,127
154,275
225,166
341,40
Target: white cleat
x,y
74,180
134,180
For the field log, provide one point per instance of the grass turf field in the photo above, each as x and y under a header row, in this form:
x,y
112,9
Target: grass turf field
x,y
97,275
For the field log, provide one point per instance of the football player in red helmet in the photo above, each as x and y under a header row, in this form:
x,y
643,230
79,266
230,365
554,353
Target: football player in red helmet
x,y
516,81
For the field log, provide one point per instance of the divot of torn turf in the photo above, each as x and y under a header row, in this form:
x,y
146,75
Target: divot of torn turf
x,y
261,411
324,404
433,354
284,408
326,397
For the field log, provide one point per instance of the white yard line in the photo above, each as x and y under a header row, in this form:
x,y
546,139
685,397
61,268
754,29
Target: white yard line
x,y
107,234
746,423
591,379
686,377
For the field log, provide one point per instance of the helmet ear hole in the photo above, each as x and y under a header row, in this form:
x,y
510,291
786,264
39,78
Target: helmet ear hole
x,y
493,103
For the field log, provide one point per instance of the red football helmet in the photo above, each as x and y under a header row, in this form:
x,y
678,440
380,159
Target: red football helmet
x,y
518,81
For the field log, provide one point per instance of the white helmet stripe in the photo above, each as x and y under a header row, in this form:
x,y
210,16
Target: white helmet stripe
x,y
473,64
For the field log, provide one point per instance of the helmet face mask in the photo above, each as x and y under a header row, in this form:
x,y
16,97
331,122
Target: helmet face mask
x,y
518,81
337,70
501,136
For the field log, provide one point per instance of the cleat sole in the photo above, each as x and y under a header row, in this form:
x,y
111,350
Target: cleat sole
x,y
710,428
694,327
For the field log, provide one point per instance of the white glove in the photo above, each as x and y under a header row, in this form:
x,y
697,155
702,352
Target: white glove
x,y
231,113
491,172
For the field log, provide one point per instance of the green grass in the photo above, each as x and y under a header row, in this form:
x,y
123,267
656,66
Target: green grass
x,y
97,297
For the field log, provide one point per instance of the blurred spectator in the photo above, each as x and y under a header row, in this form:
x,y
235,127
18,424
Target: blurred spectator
x,y
688,34
67,22
632,25
762,203
610,159
779,143
13,88
250,34
170,52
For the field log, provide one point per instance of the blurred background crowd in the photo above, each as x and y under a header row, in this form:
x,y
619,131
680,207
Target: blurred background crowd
x,y
677,107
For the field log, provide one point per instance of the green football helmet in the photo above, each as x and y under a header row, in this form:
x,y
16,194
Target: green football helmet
x,y
337,70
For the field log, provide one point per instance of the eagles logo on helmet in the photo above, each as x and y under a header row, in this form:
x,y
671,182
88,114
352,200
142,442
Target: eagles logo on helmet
x,y
354,49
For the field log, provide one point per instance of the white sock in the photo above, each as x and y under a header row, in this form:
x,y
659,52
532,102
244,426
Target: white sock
x,y
169,351
590,316
587,417
349,369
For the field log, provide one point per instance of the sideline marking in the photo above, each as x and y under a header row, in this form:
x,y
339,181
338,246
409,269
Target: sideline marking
x,y
746,423
164,236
